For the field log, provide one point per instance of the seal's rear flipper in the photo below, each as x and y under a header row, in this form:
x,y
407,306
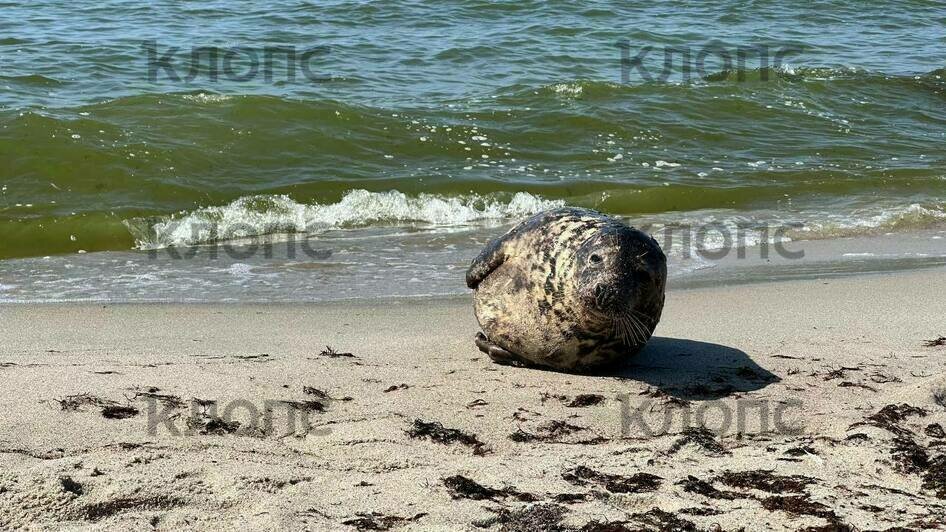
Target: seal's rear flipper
x,y
498,354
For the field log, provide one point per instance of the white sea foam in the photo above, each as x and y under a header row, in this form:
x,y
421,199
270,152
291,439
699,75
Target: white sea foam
x,y
203,97
568,89
830,225
267,215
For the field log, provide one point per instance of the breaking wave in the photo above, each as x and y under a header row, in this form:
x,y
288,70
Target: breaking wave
x,y
252,216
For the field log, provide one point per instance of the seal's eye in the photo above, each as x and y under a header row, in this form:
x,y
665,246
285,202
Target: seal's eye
x,y
595,259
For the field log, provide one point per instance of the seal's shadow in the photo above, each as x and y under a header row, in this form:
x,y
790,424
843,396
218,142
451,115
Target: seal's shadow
x,y
693,370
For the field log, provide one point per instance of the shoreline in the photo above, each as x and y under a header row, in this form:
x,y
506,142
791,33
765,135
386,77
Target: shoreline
x,y
112,277
567,449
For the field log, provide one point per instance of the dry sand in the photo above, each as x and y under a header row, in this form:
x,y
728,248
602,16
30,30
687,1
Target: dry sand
x,y
811,365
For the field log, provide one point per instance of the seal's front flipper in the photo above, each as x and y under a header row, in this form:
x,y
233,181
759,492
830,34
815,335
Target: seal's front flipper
x,y
492,256
497,250
498,354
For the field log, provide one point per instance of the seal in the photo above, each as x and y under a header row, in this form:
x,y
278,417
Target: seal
x,y
567,289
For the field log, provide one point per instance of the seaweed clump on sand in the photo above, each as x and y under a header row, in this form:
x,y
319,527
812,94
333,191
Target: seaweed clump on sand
x,y
701,511
71,486
798,505
636,483
119,411
330,352
72,403
585,399
545,516
700,437
579,401
657,519
436,432
766,481
319,394
607,526
666,398
109,409
935,430
692,484
909,456
890,417
939,342
379,521
554,431
305,406
934,478
169,400
208,425
461,487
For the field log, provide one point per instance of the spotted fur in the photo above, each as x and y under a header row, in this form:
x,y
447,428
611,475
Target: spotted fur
x,y
534,295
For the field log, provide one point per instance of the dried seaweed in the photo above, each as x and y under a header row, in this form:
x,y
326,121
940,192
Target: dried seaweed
x,y
849,384
939,397
890,417
476,403
545,396
585,399
71,486
305,406
637,483
212,426
569,498
461,487
607,526
553,432
801,450
765,481
798,505
319,394
172,401
379,521
261,357
436,432
908,455
315,392
701,511
546,517
935,430
330,352
668,400
934,478
706,489
657,519
72,403
941,341
701,437
119,412
839,373
835,526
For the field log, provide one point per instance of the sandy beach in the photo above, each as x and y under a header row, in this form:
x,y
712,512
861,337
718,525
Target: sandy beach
x,y
238,240
822,403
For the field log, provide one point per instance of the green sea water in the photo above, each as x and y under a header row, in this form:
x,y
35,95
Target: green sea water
x,y
458,113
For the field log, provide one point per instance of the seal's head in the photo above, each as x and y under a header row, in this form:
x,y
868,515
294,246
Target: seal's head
x,y
620,272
